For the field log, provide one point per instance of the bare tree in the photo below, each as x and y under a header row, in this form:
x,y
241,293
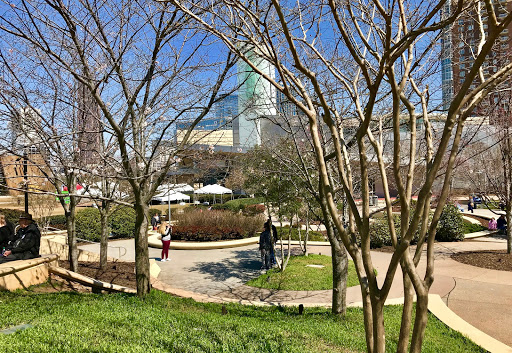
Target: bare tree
x,y
370,61
143,67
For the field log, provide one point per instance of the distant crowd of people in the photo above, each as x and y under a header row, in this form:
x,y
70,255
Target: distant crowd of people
x,y
20,245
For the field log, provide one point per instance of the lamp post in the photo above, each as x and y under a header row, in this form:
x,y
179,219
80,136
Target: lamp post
x,y
169,203
25,178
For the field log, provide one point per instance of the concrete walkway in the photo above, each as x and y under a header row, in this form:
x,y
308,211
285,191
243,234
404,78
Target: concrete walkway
x,y
480,296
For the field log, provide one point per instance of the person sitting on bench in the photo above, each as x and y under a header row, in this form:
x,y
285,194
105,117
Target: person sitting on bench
x,y
26,242
502,224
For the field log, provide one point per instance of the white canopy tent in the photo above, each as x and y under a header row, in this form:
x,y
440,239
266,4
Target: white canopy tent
x,y
173,196
175,187
214,189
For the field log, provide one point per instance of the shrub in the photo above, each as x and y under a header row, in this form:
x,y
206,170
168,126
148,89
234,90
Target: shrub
x,y
57,221
472,227
122,223
11,215
253,210
87,224
451,225
204,233
206,225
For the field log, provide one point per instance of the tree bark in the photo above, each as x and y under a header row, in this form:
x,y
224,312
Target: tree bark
x,y
72,247
142,273
104,239
405,326
420,322
339,279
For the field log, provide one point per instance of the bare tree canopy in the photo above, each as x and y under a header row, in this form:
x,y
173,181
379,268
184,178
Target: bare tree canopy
x,y
133,68
360,72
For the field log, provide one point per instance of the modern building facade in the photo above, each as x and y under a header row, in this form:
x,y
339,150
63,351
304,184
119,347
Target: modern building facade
x,y
459,48
256,99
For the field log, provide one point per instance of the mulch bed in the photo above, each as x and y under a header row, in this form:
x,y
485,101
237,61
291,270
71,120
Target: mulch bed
x,y
120,273
484,222
494,260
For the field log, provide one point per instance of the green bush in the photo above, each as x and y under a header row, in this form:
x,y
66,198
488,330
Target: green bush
x,y
451,225
238,204
469,227
122,223
11,215
87,224
57,221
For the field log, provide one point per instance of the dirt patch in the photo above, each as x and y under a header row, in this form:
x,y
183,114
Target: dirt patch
x,y
120,273
492,259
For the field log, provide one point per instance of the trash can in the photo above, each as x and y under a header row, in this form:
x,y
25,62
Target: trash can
x,y
374,200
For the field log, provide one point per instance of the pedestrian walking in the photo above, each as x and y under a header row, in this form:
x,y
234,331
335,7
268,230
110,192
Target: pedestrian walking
x,y
265,247
165,230
470,207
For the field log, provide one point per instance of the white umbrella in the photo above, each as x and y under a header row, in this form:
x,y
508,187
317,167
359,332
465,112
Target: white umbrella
x,y
173,196
214,189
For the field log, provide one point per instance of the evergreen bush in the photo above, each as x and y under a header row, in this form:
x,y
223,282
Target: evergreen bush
x,y
122,223
451,225
11,215
87,224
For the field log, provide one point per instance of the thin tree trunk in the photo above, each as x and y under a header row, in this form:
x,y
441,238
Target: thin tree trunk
x,y
104,239
420,323
379,337
141,251
72,246
405,327
339,279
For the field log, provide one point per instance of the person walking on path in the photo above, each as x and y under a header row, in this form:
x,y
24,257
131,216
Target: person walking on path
x,y
266,247
470,207
155,221
6,232
26,243
165,230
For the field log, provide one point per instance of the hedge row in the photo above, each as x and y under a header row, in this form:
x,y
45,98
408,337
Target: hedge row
x,y
203,233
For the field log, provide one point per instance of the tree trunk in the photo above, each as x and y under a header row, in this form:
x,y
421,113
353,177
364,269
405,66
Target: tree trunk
x,y
104,238
72,247
405,327
379,337
420,323
141,251
339,279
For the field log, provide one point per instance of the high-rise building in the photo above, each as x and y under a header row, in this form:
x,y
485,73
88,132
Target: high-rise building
x,y
256,99
459,48
88,126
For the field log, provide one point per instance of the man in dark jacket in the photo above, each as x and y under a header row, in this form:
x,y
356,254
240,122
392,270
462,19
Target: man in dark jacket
x,y
26,243
265,247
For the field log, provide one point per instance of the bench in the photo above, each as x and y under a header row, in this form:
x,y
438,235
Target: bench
x,y
22,274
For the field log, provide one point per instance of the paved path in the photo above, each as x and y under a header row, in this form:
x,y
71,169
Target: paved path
x,y
480,296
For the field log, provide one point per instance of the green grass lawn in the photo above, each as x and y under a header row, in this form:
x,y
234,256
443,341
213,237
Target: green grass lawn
x,y
71,322
297,276
313,235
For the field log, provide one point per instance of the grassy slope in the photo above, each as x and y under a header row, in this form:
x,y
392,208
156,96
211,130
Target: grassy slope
x,y
299,277
69,322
